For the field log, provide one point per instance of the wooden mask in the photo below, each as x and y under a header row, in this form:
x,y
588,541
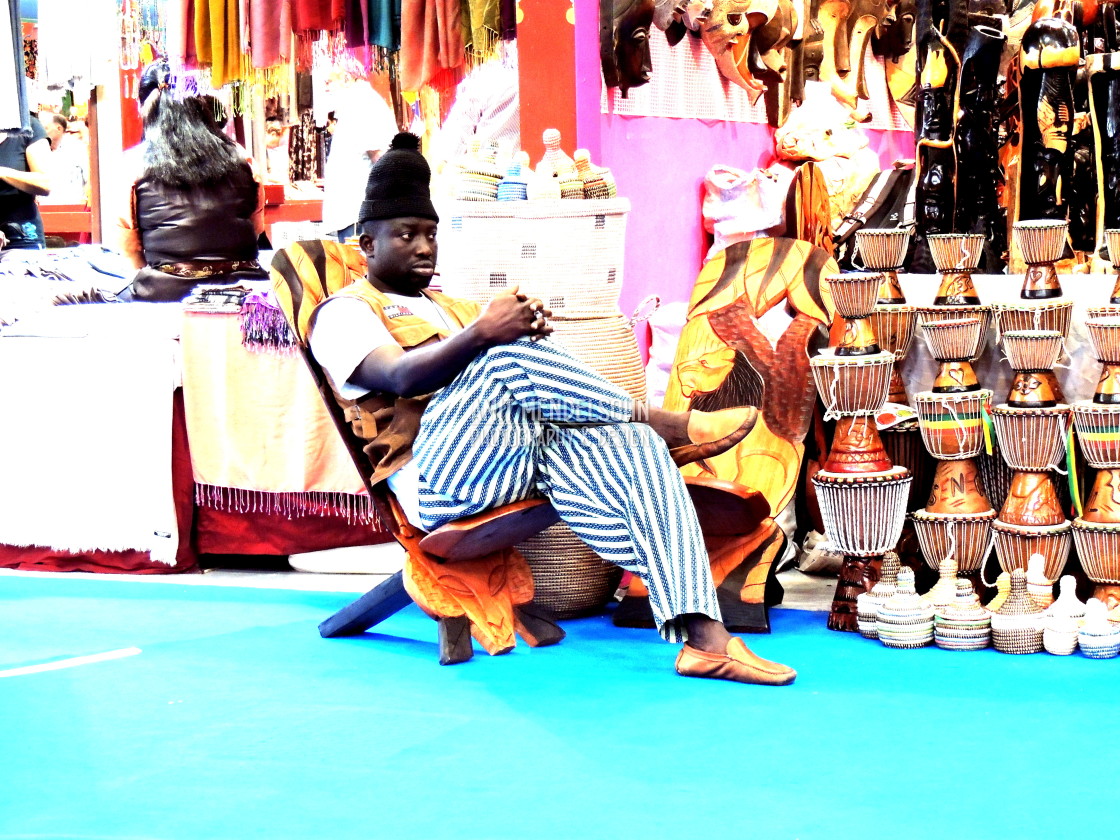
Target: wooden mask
x,y
624,42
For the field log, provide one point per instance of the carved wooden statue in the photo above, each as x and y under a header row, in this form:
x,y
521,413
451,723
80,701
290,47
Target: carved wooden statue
x,y
624,42
724,359
1049,56
936,179
976,135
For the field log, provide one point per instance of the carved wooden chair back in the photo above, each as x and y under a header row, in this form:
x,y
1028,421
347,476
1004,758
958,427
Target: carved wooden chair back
x,y
767,286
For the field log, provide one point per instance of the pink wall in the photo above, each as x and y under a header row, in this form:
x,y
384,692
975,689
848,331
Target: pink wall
x,y
660,164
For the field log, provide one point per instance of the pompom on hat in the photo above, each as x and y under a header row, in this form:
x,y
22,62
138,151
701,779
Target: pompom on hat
x,y
399,183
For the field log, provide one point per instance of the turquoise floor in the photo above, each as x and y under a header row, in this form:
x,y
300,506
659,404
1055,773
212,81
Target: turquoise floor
x,y
236,720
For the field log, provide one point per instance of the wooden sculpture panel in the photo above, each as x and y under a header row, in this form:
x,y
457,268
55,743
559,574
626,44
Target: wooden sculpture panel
x,y
725,359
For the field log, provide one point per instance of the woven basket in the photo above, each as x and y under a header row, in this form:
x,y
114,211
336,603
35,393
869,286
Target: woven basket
x,y
570,579
607,346
567,253
1017,624
1098,638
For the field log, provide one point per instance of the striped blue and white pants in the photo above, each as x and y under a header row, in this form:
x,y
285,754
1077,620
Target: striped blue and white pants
x,y
527,419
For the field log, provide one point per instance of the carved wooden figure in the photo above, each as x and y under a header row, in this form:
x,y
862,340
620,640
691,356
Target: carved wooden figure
x,y
1103,73
770,56
976,137
624,42
724,359
865,18
726,33
936,162
1049,55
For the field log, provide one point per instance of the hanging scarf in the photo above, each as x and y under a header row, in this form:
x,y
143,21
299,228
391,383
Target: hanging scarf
x,y
270,31
179,15
318,14
431,40
218,39
374,23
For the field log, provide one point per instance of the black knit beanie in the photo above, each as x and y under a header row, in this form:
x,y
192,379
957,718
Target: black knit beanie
x,y
398,184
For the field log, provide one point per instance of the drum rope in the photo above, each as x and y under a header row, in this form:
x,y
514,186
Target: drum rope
x,y
831,412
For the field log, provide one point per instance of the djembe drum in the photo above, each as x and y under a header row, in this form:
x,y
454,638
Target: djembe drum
x,y
1041,244
853,388
1097,531
1104,333
1109,310
956,256
884,250
862,496
1032,355
894,324
854,298
1054,315
1047,316
1031,520
1112,237
954,344
957,519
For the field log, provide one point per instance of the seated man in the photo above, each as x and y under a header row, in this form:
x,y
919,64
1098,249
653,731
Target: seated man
x,y
465,410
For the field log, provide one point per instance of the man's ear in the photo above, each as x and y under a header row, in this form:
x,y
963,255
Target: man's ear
x,y
366,243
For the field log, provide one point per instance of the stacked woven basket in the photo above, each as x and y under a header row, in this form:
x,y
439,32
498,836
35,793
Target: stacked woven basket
x,y
569,254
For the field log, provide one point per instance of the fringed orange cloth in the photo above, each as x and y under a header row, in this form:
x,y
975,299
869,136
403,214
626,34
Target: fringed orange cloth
x,y
217,38
261,439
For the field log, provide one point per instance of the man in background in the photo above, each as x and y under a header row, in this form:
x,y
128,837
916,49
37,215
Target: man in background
x,y
365,127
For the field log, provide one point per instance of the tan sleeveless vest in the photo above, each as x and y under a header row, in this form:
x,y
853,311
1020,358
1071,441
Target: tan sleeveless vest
x,y
388,423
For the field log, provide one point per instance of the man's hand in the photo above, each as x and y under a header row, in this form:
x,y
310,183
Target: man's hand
x,y
510,315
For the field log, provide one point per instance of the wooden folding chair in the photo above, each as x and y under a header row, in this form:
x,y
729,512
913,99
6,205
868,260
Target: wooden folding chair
x,y
465,574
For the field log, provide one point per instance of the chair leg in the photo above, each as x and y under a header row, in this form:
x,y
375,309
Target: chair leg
x,y
454,640
385,599
536,626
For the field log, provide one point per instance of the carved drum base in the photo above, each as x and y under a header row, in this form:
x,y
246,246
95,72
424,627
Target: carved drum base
x,y
857,575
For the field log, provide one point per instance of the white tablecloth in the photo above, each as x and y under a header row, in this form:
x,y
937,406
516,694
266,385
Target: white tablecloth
x,y
85,430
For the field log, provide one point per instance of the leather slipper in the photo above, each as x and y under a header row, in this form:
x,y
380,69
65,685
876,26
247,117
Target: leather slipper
x,y
739,664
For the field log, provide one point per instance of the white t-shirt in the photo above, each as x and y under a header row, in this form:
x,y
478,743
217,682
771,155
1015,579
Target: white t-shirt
x,y
346,331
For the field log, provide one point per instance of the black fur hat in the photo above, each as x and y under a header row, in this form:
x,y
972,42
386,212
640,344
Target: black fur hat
x,y
399,183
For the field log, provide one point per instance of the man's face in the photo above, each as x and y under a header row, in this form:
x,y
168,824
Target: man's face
x,y
401,254
54,133
275,131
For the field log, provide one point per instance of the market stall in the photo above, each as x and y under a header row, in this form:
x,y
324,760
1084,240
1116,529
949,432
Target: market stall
x,y
112,481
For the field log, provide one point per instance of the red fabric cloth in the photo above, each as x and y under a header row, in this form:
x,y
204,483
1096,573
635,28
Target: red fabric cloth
x,y
431,40
318,14
270,31
224,532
